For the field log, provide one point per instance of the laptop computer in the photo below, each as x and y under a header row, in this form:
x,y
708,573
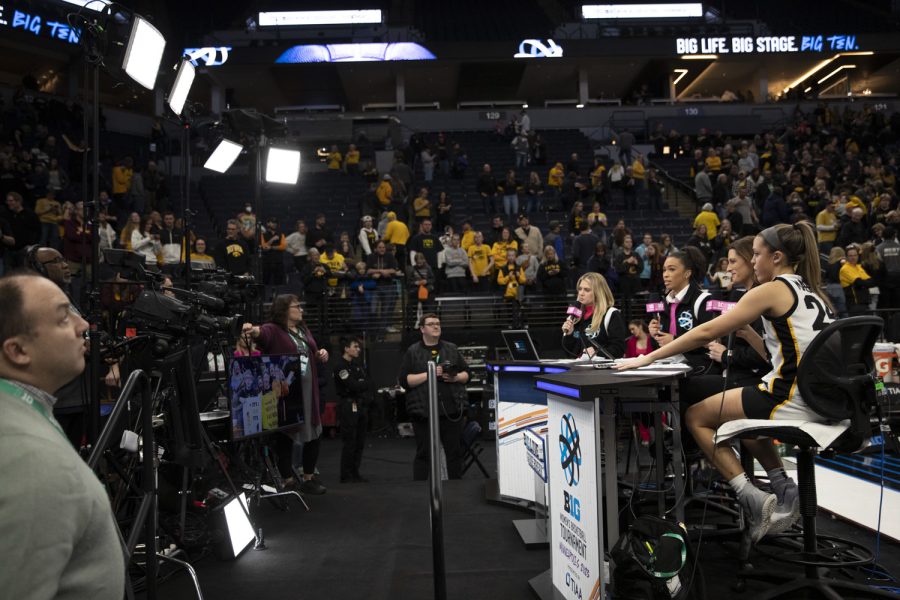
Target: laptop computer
x,y
520,344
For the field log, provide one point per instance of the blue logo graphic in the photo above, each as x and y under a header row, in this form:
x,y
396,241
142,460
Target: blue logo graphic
x,y
686,320
570,449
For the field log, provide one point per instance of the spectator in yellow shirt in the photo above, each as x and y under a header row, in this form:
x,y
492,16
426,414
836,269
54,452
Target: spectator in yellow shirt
x,y
714,162
855,281
556,176
337,267
710,219
468,236
481,263
506,242
49,212
385,191
397,233
335,160
826,227
351,161
121,187
638,171
422,205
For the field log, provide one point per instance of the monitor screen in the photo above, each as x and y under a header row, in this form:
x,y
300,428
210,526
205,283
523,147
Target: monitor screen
x,y
520,345
266,393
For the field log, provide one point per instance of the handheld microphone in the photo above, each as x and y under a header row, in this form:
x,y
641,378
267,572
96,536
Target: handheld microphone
x,y
654,305
575,312
729,351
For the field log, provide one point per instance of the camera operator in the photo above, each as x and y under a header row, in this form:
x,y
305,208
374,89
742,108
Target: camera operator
x,y
285,333
57,534
354,390
452,373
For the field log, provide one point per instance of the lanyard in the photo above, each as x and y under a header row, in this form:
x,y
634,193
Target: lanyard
x,y
29,400
298,340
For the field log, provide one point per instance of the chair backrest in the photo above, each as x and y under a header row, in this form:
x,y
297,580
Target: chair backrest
x,y
836,375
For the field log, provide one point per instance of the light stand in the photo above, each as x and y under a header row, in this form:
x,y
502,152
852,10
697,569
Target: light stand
x,y
95,316
140,62
177,101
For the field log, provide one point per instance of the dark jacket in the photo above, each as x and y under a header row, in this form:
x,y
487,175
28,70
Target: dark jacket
x,y
552,277
611,338
451,396
686,318
775,211
234,256
315,277
351,381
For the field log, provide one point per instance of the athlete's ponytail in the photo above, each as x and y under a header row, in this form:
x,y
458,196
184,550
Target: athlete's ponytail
x,y
692,258
798,244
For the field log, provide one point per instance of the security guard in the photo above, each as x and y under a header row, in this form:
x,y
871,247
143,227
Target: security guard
x,y
354,391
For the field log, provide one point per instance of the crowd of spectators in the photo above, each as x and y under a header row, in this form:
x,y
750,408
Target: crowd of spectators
x,y
42,158
836,168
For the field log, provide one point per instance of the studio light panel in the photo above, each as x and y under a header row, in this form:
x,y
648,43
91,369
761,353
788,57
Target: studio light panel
x,y
283,166
183,81
223,156
144,52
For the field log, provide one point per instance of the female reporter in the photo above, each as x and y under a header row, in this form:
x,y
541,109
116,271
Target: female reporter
x,y
601,329
794,308
685,303
285,333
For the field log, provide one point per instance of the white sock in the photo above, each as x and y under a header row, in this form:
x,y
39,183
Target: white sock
x,y
741,485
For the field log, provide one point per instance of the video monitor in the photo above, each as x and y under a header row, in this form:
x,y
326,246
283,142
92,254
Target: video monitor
x,y
520,345
266,393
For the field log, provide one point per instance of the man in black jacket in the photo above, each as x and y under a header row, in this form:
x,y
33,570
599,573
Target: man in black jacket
x,y
452,374
354,391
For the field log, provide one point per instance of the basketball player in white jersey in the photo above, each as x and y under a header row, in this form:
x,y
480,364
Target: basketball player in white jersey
x,y
794,310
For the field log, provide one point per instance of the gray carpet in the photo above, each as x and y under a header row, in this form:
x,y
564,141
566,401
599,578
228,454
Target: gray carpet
x,y
374,541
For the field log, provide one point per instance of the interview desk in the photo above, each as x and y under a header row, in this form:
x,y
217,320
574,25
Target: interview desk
x,y
582,406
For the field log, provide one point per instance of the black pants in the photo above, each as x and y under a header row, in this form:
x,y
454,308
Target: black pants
x,y
353,433
284,448
451,439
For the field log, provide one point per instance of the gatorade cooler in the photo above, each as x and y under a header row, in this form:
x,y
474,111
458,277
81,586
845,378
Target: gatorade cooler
x,y
884,360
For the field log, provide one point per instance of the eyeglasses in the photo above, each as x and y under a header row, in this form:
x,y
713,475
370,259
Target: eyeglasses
x,y
54,261
431,325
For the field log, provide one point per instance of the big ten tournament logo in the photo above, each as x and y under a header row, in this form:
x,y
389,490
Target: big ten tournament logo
x,y
570,449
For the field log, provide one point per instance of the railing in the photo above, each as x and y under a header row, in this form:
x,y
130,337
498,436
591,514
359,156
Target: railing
x,y
489,103
437,514
682,188
306,108
478,312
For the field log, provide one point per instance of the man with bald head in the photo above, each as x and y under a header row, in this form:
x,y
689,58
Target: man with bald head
x,y
69,408
57,533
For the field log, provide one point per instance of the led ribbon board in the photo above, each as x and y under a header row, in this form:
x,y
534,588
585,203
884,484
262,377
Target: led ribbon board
x,y
371,52
767,44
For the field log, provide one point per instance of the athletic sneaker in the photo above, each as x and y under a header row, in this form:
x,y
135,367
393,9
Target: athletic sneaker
x,y
787,509
758,509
